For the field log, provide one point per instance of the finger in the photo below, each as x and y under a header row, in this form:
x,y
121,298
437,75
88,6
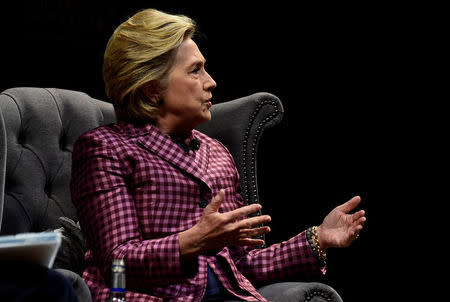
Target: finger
x,y
244,211
361,221
216,202
253,221
358,215
356,230
350,205
250,242
255,232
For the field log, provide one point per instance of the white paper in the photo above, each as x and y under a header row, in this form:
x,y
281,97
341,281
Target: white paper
x,y
38,248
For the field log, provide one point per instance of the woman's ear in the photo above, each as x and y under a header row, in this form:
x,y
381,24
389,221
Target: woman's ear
x,y
151,91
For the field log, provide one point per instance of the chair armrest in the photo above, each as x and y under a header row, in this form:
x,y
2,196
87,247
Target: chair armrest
x,y
2,164
299,291
79,286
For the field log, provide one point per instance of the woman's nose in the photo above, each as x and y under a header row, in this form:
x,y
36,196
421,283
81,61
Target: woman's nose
x,y
209,84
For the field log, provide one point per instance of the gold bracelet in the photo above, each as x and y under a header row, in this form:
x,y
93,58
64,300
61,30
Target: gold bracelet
x,y
315,239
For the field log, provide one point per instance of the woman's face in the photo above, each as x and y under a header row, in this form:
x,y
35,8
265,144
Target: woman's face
x,y
187,97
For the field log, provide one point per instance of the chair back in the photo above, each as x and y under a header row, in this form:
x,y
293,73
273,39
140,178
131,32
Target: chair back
x,y
38,128
239,125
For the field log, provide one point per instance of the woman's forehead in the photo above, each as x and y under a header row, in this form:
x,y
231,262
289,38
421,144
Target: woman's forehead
x,y
188,54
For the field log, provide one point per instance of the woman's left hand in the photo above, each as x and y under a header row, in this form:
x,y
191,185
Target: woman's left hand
x,y
340,229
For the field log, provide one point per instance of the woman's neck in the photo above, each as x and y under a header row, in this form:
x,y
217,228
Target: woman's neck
x,y
174,132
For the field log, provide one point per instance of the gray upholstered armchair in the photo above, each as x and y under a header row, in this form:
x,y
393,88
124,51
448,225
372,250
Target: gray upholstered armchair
x,y
38,128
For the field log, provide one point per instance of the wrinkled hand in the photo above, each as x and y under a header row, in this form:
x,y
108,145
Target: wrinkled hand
x,y
216,230
340,229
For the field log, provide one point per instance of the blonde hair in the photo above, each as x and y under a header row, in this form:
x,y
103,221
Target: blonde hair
x,y
140,50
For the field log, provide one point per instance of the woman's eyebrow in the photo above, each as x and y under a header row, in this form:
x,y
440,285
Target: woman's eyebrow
x,y
197,62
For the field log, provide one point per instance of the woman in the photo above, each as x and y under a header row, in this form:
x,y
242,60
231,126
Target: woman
x,y
137,183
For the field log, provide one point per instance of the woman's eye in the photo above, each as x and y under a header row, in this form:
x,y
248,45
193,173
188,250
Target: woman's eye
x,y
196,70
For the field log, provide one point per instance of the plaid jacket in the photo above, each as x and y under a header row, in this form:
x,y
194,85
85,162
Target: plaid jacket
x,y
135,190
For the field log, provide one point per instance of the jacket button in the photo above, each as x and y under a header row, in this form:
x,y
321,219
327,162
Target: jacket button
x,y
203,203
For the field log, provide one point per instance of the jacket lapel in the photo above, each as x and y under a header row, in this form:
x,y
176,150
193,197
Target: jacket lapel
x,y
193,162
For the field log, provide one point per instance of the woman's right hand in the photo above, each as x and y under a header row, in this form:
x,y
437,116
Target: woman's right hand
x,y
217,230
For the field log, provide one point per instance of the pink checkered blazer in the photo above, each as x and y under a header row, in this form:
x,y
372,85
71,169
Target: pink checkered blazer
x,y
135,190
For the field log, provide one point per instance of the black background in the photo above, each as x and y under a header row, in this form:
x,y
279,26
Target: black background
x,y
342,72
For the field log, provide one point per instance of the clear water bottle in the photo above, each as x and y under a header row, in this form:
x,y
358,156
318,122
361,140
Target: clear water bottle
x,y
117,289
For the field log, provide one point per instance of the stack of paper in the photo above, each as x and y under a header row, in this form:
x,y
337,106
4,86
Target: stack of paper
x,y
38,248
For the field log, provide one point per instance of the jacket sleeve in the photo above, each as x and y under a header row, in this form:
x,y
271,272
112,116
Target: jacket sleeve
x,y
109,220
288,260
